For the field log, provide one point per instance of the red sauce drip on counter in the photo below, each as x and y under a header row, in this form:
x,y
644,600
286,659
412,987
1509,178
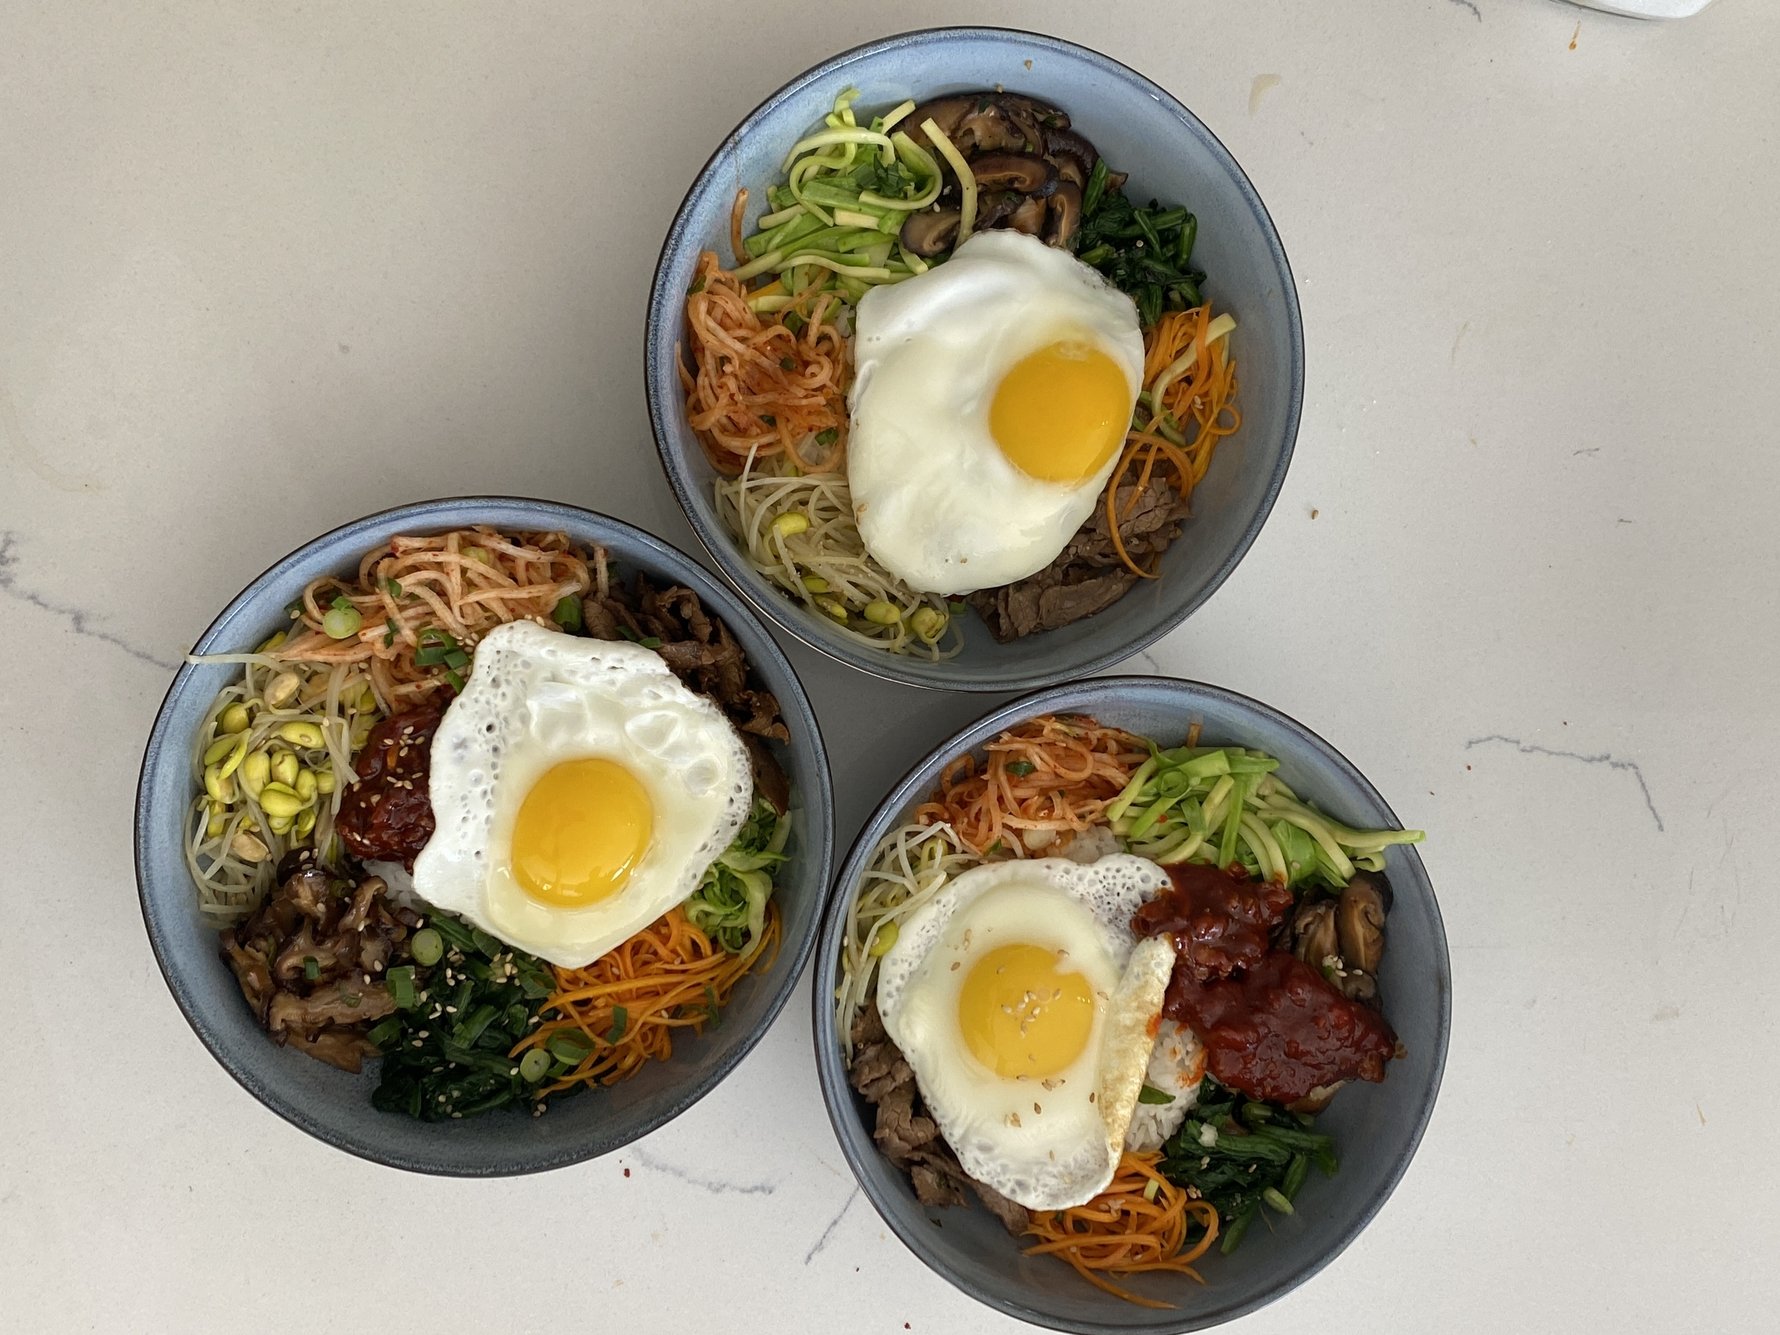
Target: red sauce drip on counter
x,y
1220,921
387,815
1273,1027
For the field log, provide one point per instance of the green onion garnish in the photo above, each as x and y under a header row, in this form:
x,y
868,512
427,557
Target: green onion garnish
x,y
620,1022
428,946
569,1047
567,614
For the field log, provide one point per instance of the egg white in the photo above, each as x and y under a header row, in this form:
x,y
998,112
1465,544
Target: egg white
x,y
536,698
1053,1142
937,502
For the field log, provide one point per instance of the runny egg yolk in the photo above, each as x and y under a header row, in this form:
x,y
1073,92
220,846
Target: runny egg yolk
x,y
580,832
1060,412
1022,1013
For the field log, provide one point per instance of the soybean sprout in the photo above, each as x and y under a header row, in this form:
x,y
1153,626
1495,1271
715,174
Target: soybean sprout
x,y
272,760
798,530
908,869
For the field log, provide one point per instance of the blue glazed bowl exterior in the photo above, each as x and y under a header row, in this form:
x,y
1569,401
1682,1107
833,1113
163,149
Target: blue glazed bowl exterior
x,y
1376,1127
336,1107
1138,127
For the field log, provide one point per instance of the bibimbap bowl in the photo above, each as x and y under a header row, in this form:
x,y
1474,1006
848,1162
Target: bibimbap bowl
x,y
1375,1127
336,1106
1138,128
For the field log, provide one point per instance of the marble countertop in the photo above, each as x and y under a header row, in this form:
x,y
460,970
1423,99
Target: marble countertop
x,y
264,269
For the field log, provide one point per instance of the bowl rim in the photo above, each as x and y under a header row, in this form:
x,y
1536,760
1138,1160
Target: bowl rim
x,y
773,605
428,514
838,1096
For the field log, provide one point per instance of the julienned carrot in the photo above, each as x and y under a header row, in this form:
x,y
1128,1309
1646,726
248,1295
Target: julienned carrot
x,y
628,1002
1140,1223
1203,394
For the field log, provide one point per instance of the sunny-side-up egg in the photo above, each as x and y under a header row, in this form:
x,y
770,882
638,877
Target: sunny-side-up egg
x,y
579,792
990,399
1024,1005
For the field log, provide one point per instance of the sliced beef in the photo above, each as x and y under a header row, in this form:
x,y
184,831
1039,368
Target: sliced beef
x,y
769,776
1087,576
908,1137
1014,1217
936,1185
1054,597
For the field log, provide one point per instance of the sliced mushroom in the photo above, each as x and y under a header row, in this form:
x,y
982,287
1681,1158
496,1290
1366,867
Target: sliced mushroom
x,y
1029,217
1314,938
974,122
994,209
947,113
1063,213
1030,117
1357,986
1023,173
1359,920
927,234
986,122
1072,154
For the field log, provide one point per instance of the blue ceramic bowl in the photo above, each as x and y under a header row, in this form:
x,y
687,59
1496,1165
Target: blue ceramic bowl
x,y
1376,1127
1140,128
336,1107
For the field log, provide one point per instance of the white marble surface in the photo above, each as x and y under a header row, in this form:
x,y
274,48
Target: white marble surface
x,y
264,268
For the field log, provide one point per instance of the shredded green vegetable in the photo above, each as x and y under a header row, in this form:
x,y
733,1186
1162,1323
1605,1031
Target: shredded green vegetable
x,y
1145,252
835,222
445,1049
1239,1153
1223,805
729,905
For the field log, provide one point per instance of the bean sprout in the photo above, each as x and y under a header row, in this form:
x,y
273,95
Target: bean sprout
x,y
798,530
908,869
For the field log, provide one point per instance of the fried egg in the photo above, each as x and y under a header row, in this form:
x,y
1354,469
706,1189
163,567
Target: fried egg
x,y
1025,1007
579,792
990,399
